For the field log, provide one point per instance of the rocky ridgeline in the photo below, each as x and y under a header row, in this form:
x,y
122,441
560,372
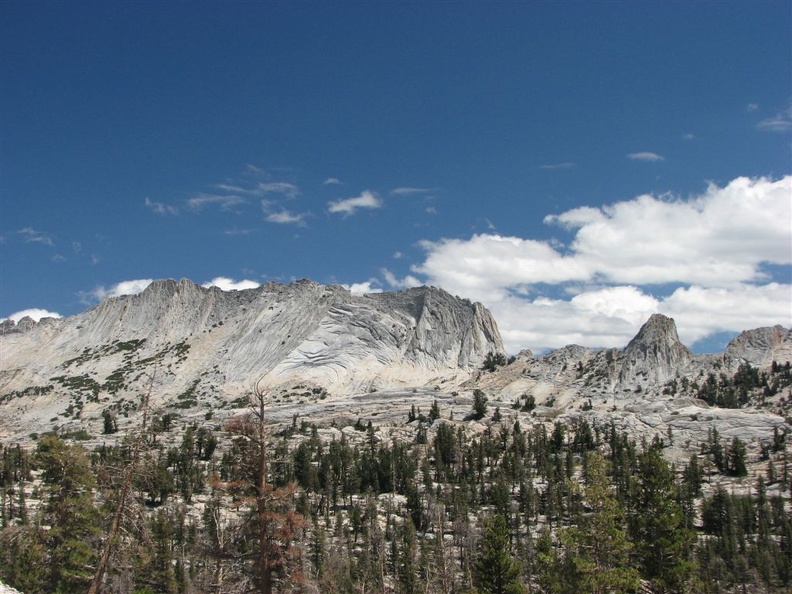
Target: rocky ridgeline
x,y
194,347
653,387
324,353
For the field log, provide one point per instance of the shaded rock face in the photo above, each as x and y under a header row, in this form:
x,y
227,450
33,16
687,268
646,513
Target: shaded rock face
x,y
655,354
214,342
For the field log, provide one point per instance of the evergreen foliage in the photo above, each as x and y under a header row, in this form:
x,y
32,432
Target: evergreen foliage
x,y
518,506
479,404
597,547
495,570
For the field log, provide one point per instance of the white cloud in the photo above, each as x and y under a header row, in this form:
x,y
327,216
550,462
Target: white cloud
x,y
277,214
713,246
161,208
34,313
227,284
645,156
717,239
701,311
253,170
285,188
130,287
555,166
486,266
33,236
752,107
408,282
409,191
600,318
284,217
234,189
332,181
349,206
781,122
225,202
369,286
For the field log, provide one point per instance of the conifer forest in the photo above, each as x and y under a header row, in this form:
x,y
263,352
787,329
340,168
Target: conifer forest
x,y
499,502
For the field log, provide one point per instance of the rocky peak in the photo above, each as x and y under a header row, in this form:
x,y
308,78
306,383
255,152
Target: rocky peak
x,y
762,346
218,343
655,354
24,325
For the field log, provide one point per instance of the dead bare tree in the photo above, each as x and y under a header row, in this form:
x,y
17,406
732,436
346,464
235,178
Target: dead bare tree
x,y
276,524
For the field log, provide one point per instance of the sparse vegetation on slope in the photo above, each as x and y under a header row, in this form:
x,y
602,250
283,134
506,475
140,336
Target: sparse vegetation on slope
x,y
368,507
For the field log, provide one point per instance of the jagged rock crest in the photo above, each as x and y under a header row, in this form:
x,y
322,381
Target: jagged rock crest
x,y
761,346
655,355
210,346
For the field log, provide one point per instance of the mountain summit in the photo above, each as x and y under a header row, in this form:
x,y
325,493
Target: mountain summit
x,y
655,354
322,352
208,345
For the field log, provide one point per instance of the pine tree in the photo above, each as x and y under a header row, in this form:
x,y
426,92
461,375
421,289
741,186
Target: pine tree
x,y
434,411
663,543
70,512
23,559
479,404
598,547
495,570
735,458
407,571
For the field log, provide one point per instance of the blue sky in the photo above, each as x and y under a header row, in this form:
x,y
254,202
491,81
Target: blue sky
x,y
574,166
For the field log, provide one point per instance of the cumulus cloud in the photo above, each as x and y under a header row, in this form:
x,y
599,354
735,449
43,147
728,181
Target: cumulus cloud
x,y
645,156
717,239
349,206
408,282
709,250
34,313
369,286
129,287
701,311
606,317
486,267
227,284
